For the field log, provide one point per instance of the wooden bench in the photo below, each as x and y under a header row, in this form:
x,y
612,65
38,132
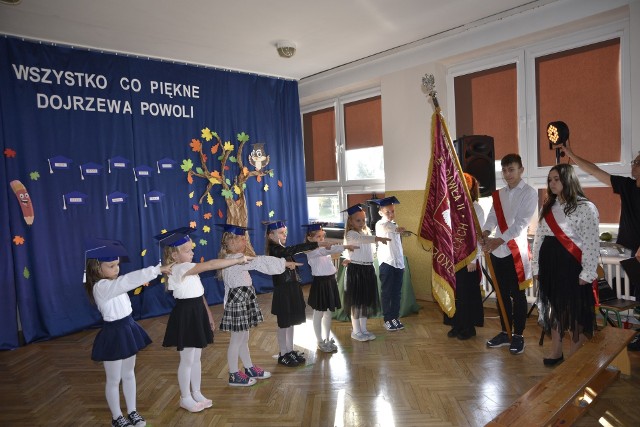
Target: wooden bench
x,y
566,392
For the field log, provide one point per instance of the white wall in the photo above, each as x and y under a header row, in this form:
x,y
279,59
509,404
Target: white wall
x,y
406,112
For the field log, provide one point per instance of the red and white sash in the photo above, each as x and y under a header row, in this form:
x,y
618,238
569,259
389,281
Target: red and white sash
x,y
517,246
570,246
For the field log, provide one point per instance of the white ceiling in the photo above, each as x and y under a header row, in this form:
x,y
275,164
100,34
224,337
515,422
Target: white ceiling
x,y
241,34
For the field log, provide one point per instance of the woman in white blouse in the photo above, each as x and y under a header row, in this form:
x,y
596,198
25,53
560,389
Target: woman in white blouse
x,y
565,261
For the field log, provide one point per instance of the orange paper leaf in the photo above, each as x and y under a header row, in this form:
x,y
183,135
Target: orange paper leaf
x,y
259,203
9,152
189,178
204,158
220,213
18,240
226,167
208,215
245,171
196,145
258,178
195,207
193,224
279,183
214,149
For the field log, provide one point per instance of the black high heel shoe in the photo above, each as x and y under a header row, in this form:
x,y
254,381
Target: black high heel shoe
x,y
551,362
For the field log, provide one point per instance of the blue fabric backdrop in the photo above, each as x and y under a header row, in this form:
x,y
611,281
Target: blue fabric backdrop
x,y
63,108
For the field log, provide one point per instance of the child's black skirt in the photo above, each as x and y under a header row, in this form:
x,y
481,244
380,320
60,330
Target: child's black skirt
x,y
361,290
119,340
288,304
188,325
323,294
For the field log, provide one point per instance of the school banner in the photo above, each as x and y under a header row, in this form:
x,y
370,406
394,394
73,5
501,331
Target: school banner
x,y
448,219
113,146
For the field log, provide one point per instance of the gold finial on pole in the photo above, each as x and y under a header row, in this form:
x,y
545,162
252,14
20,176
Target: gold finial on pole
x,y
429,83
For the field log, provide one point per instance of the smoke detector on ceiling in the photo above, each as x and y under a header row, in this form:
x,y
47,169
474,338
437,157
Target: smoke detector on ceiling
x,y
286,49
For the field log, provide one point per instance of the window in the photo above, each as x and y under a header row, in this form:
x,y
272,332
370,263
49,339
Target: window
x,y
343,153
513,97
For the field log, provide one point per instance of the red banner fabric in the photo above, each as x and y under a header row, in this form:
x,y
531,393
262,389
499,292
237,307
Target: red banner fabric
x,y
448,220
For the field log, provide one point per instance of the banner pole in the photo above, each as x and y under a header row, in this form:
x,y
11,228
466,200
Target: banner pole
x,y
428,82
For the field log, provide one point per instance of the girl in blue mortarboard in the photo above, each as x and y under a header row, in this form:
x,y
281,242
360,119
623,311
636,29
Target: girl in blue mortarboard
x,y
241,310
323,295
120,339
287,301
361,284
190,325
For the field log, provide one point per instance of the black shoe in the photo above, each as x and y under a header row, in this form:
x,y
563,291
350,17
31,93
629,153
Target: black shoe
x,y
452,333
634,345
136,419
297,356
517,344
499,340
465,334
287,360
121,421
551,362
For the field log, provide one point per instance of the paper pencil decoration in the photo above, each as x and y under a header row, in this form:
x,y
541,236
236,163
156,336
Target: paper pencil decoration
x,y
116,198
165,164
142,171
74,198
90,169
25,201
59,162
152,197
118,162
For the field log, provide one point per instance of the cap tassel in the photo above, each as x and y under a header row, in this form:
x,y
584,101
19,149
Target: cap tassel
x,y
158,166
64,203
81,174
84,277
145,200
135,175
109,163
50,168
107,199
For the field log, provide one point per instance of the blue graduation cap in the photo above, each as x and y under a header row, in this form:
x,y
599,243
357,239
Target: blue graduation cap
x,y
165,164
74,198
104,249
90,169
353,209
117,162
385,202
59,162
142,170
116,198
152,196
235,229
274,225
174,238
315,226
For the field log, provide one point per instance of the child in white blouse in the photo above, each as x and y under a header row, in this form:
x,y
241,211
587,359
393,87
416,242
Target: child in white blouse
x,y
120,338
361,286
323,295
190,325
241,310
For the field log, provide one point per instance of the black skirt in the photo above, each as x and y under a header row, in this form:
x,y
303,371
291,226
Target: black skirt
x,y
288,304
565,304
323,294
361,292
241,311
119,340
188,325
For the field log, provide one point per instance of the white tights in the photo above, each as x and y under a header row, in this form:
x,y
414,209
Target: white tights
x,y
189,373
285,340
322,324
359,324
238,347
117,370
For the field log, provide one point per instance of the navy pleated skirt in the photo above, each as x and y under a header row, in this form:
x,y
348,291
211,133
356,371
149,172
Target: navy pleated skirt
x,y
119,340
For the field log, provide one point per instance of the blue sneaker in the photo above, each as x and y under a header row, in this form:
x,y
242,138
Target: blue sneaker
x,y
390,325
499,340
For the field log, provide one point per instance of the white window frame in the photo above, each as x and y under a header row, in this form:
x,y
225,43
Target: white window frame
x,y
341,185
524,58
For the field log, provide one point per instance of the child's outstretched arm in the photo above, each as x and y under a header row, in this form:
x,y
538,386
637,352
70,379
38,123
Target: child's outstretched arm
x,y
127,282
217,264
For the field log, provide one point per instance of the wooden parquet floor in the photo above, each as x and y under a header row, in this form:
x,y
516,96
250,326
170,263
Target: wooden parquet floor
x,y
414,377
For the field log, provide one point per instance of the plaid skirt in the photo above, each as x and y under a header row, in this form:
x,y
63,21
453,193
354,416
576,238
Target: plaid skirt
x,y
241,311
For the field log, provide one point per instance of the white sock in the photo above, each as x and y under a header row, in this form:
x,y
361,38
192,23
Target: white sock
x,y
326,324
233,351
355,324
113,370
129,383
363,324
282,341
184,373
244,350
317,324
289,339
